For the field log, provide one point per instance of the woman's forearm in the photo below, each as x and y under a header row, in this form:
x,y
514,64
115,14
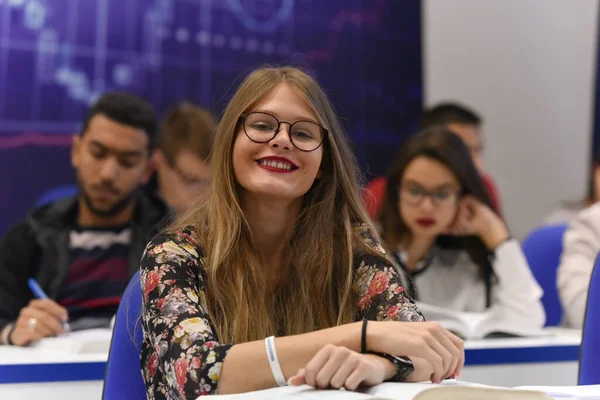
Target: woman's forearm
x,y
246,367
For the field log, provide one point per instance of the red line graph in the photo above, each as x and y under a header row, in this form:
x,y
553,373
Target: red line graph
x,y
35,139
370,17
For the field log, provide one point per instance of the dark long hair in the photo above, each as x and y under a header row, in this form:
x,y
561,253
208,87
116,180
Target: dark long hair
x,y
436,143
590,197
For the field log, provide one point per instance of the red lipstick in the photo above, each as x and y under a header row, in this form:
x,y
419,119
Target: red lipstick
x,y
426,222
277,164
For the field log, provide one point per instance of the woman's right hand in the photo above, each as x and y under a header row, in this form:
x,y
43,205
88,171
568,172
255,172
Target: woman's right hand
x,y
47,316
429,341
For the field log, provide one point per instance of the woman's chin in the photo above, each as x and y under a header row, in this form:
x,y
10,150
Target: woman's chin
x,y
427,232
274,193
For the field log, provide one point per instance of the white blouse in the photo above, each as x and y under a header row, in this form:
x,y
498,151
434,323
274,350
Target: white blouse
x,y
450,279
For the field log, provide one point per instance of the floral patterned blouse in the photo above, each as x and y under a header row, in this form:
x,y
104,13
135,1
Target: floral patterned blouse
x,y
181,356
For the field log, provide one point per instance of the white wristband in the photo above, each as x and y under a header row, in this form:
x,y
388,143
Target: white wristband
x,y
274,362
6,331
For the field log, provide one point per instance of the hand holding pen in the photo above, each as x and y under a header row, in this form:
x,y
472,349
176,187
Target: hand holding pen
x,y
40,294
42,317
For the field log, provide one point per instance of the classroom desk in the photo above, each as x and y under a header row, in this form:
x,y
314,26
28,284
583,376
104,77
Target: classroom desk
x,y
27,373
33,374
543,361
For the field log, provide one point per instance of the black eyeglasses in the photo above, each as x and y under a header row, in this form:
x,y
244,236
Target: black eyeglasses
x,y
415,195
261,127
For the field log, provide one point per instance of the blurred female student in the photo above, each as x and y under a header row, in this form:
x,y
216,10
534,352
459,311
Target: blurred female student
x,y
282,246
438,220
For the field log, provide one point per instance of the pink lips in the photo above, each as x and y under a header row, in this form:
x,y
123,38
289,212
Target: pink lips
x,y
273,168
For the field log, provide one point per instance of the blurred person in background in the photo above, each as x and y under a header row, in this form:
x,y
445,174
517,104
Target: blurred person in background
x,y
580,248
568,210
438,220
83,250
463,122
182,159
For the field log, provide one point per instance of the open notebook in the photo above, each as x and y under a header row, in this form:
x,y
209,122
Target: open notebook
x,y
448,390
472,325
86,341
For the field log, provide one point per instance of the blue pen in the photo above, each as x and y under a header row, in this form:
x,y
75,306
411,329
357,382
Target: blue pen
x,y
40,294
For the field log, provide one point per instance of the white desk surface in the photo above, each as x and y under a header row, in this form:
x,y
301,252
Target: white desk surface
x,y
11,355
29,373
556,337
550,360
543,361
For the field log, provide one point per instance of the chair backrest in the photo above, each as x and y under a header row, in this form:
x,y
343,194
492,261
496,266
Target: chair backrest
x,y
543,248
56,193
589,358
123,379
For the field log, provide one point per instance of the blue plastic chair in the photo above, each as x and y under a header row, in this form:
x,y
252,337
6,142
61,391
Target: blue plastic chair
x,y
123,379
589,358
543,248
56,193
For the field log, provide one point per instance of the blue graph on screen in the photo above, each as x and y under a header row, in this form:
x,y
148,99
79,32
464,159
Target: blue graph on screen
x,y
58,56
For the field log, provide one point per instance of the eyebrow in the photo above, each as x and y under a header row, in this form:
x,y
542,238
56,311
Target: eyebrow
x,y
298,118
119,153
448,185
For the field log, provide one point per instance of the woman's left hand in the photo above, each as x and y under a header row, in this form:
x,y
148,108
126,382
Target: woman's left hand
x,y
337,367
475,218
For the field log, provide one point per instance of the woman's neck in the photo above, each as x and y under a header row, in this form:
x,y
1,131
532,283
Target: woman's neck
x,y
271,223
416,249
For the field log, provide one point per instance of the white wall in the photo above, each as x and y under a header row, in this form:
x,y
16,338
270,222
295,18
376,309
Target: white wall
x,y
528,67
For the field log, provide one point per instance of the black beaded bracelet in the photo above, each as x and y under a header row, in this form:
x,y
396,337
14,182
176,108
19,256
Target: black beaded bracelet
x,y
363,337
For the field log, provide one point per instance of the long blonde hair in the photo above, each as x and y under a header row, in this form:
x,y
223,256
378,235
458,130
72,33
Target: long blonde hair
x,y
317,291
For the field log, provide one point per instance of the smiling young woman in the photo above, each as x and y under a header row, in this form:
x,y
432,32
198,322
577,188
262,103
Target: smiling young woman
x,y
282,246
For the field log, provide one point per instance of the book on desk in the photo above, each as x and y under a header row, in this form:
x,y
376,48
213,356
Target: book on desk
x,y
448,390
478,325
